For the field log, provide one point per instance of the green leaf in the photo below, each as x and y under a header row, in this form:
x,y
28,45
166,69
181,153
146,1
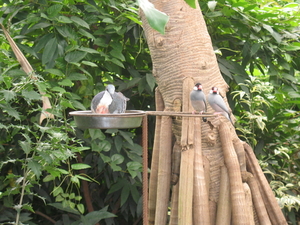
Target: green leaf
x,y
26,146
275,35
117,62
97,134
77,104
150,80
28,207
105,158
125,194
48,178
117,158
75,180
133,168
126,136
66,82
80,208
80,166
11,111
8,95
102,146
96,216
57,191
107,20
88,50
118,141
56,72
134,193
80,22
75,56
31,95
66,209
64,19
77,76
38,26
89,63
294,46
191,3
254,49
114,167
156,19
86,34
117,54
35,167
49,51
83,178
53,10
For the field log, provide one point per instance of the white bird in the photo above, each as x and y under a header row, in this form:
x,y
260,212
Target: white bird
x,y
109,101
217,103
198,99
102,100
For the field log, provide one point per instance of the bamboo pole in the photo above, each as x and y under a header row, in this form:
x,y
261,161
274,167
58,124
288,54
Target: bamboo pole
x,y
249,204
224,203
164,171
174,205
185,199
239,214
275,214
200,199
154,163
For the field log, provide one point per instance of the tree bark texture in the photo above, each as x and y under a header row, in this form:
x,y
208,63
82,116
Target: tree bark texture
x,y
182,57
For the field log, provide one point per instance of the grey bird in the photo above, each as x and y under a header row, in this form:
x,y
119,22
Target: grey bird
x,y
102,100
198,100
216,101
119,103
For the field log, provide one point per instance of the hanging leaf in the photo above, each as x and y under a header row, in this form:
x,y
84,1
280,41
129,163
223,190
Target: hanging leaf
x,y
80,166
191,3
49,51
80,22
25,145
156,19
150,80
8,95
35,167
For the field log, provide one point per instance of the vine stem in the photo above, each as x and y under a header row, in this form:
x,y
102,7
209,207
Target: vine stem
x,y
18,207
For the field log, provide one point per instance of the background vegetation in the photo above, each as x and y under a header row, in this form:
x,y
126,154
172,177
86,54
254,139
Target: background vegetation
x,y
76,48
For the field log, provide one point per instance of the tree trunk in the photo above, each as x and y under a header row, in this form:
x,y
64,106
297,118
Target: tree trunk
x,y
182,57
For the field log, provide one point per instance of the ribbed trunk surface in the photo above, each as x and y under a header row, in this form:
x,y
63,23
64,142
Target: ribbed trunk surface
x,y
182,57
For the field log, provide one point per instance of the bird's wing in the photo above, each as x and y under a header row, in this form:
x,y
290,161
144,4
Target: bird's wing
x,y
221,103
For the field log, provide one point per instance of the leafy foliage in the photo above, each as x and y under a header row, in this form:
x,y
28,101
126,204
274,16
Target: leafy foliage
x,y
76,48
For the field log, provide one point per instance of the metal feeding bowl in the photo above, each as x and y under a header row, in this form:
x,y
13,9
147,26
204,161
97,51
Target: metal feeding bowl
x,y
90,120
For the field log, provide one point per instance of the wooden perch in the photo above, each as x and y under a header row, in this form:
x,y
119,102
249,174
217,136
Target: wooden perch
x,y
154,163
164,171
